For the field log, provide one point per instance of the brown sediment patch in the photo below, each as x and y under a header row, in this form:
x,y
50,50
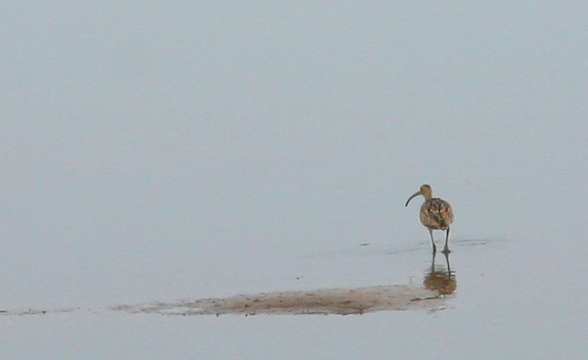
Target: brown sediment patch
x,y
322,301
28,312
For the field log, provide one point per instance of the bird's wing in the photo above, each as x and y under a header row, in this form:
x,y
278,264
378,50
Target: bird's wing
x,y
436,213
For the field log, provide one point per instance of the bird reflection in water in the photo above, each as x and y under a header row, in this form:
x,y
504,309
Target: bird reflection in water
x,y
440,278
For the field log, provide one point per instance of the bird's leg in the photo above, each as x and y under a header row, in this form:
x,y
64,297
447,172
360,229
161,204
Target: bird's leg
x,y
433,241
446,248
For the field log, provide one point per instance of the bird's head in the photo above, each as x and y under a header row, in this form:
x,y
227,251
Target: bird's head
x,y
425,190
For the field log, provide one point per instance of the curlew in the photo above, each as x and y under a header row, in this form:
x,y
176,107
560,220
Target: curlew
x,y
435,214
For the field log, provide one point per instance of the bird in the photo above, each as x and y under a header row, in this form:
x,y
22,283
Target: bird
x,y
435,214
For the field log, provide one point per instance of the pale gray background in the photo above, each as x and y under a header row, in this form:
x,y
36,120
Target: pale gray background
x,y
162,150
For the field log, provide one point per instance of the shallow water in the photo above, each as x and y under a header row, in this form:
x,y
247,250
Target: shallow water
x,y
486,297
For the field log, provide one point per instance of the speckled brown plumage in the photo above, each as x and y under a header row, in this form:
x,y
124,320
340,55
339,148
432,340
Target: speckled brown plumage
x,y
435,214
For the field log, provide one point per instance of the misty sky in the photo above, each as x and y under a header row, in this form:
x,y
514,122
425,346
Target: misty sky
x,y
135,134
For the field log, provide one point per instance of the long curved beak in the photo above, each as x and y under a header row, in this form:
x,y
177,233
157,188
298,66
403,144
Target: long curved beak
x,y
412,196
